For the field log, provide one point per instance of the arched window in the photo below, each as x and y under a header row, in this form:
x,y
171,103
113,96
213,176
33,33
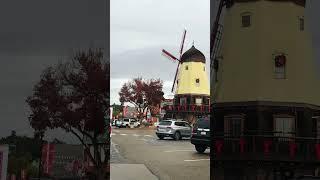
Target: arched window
x,y
280,66
198,82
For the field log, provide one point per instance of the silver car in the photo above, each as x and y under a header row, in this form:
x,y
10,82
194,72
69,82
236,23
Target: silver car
x,y
175,129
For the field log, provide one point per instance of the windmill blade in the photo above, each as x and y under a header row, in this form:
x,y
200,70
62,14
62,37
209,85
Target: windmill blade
x,y
169,55
216,26
182,42
175,78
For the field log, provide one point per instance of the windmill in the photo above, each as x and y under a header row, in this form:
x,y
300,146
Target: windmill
x,y
215,41
173,58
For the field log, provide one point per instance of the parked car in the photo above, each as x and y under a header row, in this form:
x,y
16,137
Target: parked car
x,y
114,122
118,123
126,122
134,123
200,137
175,129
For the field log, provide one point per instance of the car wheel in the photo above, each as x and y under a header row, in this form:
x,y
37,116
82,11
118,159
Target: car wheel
x,y
177,136
127,126
160,137
200,148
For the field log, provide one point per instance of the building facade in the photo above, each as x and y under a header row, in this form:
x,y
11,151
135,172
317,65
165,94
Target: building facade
x,y
266,105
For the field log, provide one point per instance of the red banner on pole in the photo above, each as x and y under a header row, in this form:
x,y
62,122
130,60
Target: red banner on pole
x,y
292,149
48,153
218,145
266,145
242,143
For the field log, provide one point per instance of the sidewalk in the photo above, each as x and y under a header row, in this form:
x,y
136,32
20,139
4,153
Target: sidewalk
x,y
130,172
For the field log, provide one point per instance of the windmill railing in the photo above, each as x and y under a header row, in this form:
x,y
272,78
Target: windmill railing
x,y
188,108
266,148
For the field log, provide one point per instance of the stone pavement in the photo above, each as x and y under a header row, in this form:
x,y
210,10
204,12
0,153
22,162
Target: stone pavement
x,y
131,172
121,170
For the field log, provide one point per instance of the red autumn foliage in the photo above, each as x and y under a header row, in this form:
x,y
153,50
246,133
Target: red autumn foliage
x,y
143,94
74,96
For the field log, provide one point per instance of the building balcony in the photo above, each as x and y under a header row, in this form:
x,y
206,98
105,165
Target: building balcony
x,y
191,108
266,148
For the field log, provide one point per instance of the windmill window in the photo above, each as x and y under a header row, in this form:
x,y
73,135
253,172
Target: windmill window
x,y
317,126
280,67
198,101
183,101
246,19
284,126
301,23
233,125
204,68
197,82
186,67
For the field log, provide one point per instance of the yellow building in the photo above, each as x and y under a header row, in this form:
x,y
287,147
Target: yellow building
x,y
266,92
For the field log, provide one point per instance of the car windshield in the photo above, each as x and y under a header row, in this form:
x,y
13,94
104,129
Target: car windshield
x,y
126,120
165,123
203,123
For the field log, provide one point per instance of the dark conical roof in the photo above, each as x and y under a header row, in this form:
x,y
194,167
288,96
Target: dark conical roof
x,y
193,55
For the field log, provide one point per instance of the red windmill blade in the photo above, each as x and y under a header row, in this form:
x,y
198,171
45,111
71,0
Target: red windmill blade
x,y
180,55
173,58
182,42
169,55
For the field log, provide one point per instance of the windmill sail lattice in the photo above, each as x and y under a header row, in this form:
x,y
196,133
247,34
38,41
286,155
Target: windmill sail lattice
x,y
173,58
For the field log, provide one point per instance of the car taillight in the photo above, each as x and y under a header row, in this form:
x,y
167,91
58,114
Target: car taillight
x,y
194,130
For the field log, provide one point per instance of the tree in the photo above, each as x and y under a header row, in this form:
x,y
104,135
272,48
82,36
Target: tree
x,y
116,109
74,96
142,94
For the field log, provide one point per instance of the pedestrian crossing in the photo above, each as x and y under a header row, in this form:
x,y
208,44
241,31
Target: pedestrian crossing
x,y
148,139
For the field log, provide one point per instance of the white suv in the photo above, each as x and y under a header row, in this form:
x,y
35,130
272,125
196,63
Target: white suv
x,y
128,122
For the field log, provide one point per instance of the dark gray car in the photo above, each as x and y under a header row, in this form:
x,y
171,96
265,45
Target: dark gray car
x,y
173,128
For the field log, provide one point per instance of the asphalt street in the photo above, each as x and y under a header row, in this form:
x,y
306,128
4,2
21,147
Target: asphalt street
x,y
166,159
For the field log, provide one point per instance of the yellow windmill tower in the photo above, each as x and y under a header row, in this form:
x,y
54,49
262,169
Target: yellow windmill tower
x,y
190,85
266,91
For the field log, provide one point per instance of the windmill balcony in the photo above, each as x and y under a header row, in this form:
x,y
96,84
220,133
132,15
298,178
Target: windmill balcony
x,y
266,148
191,108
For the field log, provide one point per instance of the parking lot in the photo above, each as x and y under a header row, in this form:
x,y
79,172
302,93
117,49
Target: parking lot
x,y
167,159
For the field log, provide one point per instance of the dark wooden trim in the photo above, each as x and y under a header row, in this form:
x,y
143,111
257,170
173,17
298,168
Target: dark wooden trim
x,y
298,2
265,103
203,95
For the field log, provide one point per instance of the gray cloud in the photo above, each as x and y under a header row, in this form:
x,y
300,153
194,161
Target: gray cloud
x,y
141,30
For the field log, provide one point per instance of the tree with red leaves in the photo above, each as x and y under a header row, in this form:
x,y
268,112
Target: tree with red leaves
x,y
74,96
143,94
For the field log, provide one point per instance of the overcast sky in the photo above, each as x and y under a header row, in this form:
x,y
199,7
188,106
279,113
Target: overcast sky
x,y
33,35
141,28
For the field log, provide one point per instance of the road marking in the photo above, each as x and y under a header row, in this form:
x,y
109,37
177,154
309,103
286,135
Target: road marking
x,y
148,136
179,150
192,160
136,135
123,134
114,147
